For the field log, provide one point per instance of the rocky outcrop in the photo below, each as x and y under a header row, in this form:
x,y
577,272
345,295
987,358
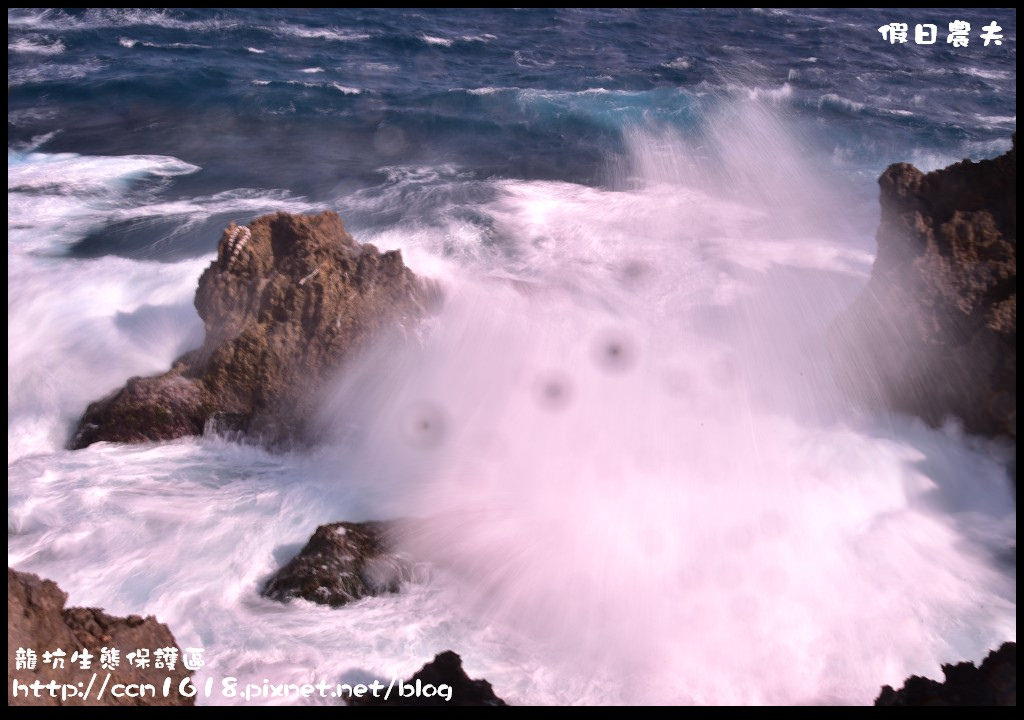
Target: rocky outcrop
x,y
343,562
37,621
934,333
444,670
994,683
287,300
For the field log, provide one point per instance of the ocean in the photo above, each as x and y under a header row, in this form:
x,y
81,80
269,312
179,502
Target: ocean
x,y
703,520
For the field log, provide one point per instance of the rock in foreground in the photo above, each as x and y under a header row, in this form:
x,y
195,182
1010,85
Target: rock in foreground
x,y
38,621
934,334
342,562
287,300
444,669
994,683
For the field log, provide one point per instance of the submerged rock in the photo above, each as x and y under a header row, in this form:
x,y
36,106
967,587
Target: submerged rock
x,y
934,333
37,620
287,300
994,683
445,669
343,562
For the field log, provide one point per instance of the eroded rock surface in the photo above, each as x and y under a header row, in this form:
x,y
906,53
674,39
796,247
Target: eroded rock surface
x,y
343,562
287,300
38,621
934,333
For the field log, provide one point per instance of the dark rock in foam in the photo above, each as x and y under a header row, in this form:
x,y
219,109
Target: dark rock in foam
x,y
444,669
287,300
994,683
343,562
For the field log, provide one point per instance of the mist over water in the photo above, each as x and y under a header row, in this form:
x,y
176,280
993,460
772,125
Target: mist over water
x,y
631,450
621,437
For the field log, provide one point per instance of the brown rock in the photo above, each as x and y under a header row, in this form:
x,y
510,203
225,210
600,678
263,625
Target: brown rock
x,y
287,300
38,621
934,333
154,408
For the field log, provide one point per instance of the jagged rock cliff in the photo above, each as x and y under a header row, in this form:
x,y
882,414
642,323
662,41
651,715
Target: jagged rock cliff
x,y
934,333
37,621
286,301
993,683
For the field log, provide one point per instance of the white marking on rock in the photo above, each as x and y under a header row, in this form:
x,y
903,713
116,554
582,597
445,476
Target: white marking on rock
x,y
238,238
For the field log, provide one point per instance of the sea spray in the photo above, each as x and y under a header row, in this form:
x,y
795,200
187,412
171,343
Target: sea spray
x,y
633,452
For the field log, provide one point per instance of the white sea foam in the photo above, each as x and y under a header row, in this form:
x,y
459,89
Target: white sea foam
x,y
527,60
53,72
93,18
998,119
987,74
432,40
130,43
34,143
84,175
489,90
30,115
837,101
76,176
379,67
319,33
345,89
36,46
783,92
195,209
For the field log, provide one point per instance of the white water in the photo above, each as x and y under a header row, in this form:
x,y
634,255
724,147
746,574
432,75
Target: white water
x,y
648,491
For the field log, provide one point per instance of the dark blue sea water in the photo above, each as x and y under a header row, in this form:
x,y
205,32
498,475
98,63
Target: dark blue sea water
x,y
706,522
317,102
